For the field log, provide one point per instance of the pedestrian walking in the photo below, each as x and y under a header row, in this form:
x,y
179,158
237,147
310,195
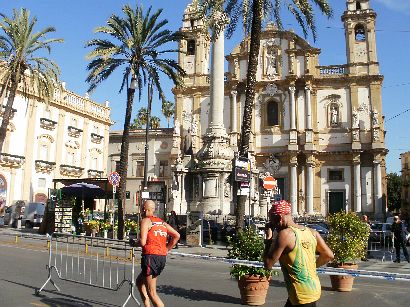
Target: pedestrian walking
x,y
399,235
295,247
153,240
173,221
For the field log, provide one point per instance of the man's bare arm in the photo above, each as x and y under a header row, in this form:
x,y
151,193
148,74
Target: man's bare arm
x,y
325,253
174,234
145,223
284,239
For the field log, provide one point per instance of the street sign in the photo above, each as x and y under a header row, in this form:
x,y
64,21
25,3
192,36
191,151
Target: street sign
x,y
242,175
269,183
114,179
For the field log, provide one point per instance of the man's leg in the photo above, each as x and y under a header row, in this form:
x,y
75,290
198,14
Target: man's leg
x,y
143,290
405,252
397,247
151,284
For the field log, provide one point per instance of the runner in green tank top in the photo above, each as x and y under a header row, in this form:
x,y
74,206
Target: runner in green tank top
x,y
295,247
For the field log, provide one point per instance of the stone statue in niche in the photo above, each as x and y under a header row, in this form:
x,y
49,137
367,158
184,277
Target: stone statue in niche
x,y
355,134
355,119
188,143
227,189
177,128
376,136
334,116
270,62
375,117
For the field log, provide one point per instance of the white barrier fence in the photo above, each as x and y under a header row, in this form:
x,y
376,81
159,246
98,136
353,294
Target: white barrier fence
x,y
381,242
91,261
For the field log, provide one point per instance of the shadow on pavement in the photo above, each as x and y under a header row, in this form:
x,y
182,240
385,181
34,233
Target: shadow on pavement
x,y
68,300
198,295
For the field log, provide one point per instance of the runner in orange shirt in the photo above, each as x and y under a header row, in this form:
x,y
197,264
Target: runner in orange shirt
x,y
153,240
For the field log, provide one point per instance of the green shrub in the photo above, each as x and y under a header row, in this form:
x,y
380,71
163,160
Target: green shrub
x,y
347,237
247,245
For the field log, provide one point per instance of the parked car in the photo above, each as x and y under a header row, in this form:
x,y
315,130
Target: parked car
x,y
14,212
323,232
33,214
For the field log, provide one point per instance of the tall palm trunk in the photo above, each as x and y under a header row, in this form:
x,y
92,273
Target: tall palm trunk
x,y
249,99
9,107
124,163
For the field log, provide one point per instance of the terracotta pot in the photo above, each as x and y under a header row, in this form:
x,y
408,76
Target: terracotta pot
x,y
343,283
253,290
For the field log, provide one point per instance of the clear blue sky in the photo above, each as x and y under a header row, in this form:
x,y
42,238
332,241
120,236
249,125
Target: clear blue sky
x,y
75,21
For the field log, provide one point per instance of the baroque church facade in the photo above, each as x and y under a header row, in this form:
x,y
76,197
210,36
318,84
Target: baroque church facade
x,y
317,129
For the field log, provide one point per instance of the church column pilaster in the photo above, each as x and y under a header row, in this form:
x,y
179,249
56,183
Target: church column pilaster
x,y
357,186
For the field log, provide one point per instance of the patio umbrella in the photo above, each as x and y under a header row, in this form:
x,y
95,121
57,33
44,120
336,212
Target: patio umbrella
x,y
84,190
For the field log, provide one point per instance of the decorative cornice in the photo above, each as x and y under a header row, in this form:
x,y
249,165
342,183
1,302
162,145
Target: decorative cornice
x,y
92,173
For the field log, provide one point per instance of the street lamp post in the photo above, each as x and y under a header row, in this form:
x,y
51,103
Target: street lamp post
x,y
145,184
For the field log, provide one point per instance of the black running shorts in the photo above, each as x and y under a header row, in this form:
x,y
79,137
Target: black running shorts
x,y
152,264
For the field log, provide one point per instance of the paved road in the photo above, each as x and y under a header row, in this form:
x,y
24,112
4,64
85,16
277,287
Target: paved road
x,y
185,282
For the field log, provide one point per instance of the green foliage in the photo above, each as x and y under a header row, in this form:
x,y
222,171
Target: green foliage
x,y
247,245
348,237
105,225
131,225
394,191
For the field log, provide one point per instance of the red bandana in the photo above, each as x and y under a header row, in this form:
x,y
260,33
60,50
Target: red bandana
x,y
281,207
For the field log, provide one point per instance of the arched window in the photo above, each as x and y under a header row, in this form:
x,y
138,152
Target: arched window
x,y
358,6
272,113
191,47
360,33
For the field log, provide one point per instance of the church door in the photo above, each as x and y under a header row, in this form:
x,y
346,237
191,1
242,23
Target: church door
x,y
336,202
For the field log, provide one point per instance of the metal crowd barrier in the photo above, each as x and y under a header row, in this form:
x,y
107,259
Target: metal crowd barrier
x,y
381,242
91,261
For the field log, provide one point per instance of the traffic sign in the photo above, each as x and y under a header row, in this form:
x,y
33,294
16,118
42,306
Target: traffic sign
x,y
114,179
269,183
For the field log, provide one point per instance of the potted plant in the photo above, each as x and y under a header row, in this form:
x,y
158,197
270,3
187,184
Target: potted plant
x,y
348,240
130,225
253,282
105,226
94,226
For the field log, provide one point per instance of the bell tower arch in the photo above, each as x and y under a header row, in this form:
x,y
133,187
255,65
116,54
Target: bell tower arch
x,y
360,24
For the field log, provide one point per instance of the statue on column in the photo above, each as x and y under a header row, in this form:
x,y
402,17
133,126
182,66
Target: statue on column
x,y
375,117
188,143
334,116
355,119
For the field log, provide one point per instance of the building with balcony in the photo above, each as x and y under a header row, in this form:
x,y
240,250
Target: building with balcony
x,y
318,130
66,138
159,170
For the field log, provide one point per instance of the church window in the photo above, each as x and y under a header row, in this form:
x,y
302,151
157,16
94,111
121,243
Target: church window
x,y
272,113
358,6
360,33
335,175
191,47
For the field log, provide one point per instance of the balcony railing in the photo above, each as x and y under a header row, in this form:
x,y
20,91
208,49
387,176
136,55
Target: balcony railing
x,y
71,170
74,132
92,173
8,160
44,166
96,138
333,70
47,124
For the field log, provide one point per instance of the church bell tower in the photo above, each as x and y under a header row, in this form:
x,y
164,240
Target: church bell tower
x,y
360,25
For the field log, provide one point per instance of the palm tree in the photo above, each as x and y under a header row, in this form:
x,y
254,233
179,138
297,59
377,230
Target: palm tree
x,y
136,124
142,116
22,62
252,13
136,43
168,110
155,122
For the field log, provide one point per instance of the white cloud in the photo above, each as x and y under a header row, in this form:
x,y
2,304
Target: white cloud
x,y
397,5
